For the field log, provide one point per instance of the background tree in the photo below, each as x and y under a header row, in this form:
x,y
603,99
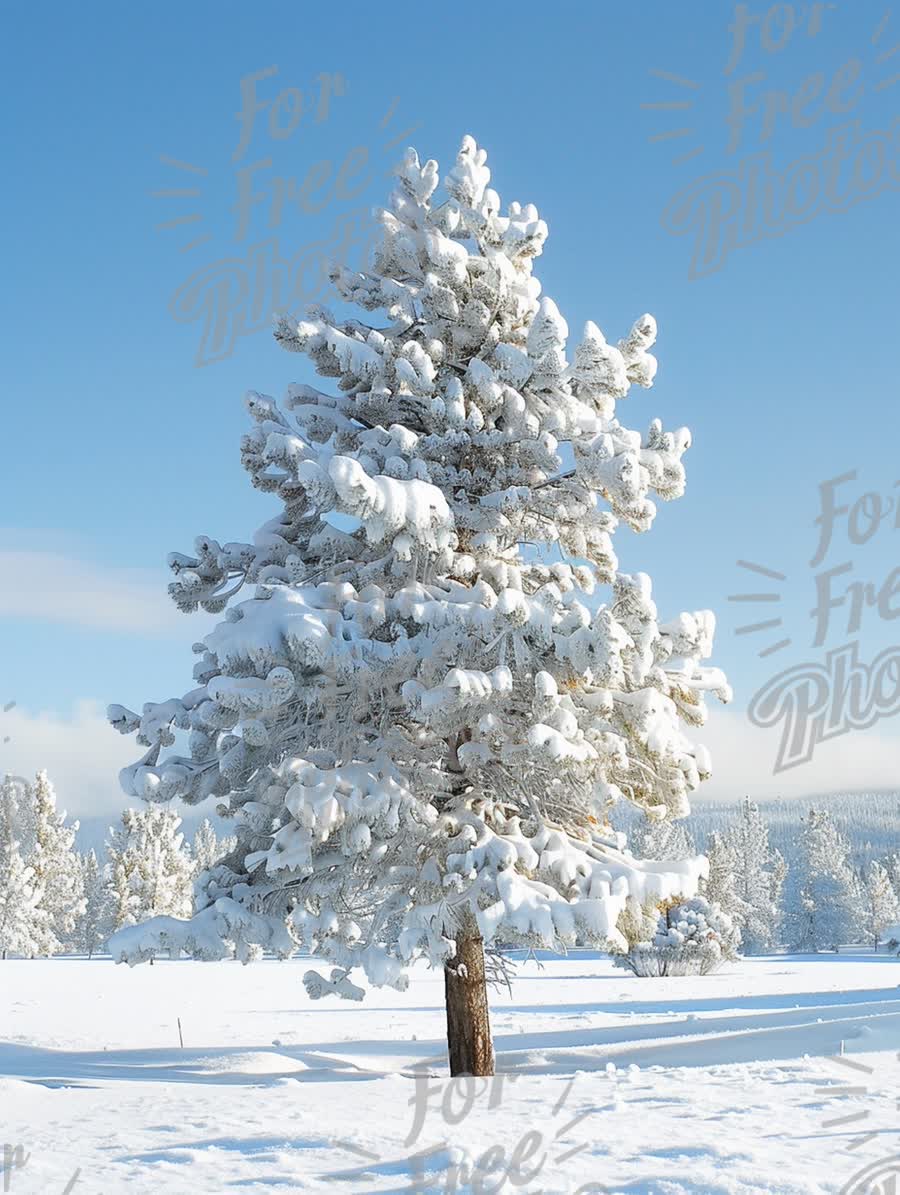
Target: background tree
x,y
758,879
151,873
779,875
17,811
825,905
207,848
423,711
882,908
55,864
95,923
892,867
23,928
661,838
720,886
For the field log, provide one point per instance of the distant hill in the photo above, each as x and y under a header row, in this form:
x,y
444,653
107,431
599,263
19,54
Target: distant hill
x,y
870,821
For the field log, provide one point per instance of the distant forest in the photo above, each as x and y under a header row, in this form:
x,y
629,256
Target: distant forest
x,y
869,821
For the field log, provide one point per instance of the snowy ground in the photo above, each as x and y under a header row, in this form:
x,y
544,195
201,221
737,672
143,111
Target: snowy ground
x,y
700,1086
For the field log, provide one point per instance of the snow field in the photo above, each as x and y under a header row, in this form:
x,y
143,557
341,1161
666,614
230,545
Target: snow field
x,y
719,1085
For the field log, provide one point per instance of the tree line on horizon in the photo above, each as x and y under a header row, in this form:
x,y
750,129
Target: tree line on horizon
x,y
820,892
55,899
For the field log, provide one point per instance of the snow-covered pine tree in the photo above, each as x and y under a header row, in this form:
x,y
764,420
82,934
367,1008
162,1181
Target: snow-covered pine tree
x,y
151,873
779,874
55,864
882,905
892,866
423,709
661,838
720,885
824,909
207,848
95,923
23,925
758,878
17,811
9,803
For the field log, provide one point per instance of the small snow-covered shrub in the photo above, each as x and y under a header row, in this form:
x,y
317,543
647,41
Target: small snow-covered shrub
x,y
693,937
638,922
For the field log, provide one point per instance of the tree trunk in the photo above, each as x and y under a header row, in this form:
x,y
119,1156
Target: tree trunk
x,y
468,1023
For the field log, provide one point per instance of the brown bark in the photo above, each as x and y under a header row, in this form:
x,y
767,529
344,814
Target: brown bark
x,y
468,1022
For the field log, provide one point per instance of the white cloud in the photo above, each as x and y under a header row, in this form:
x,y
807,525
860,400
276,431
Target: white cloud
x,y
52,586
743,758
80,750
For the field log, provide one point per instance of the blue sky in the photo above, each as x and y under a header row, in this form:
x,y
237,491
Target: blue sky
x,y
778,354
